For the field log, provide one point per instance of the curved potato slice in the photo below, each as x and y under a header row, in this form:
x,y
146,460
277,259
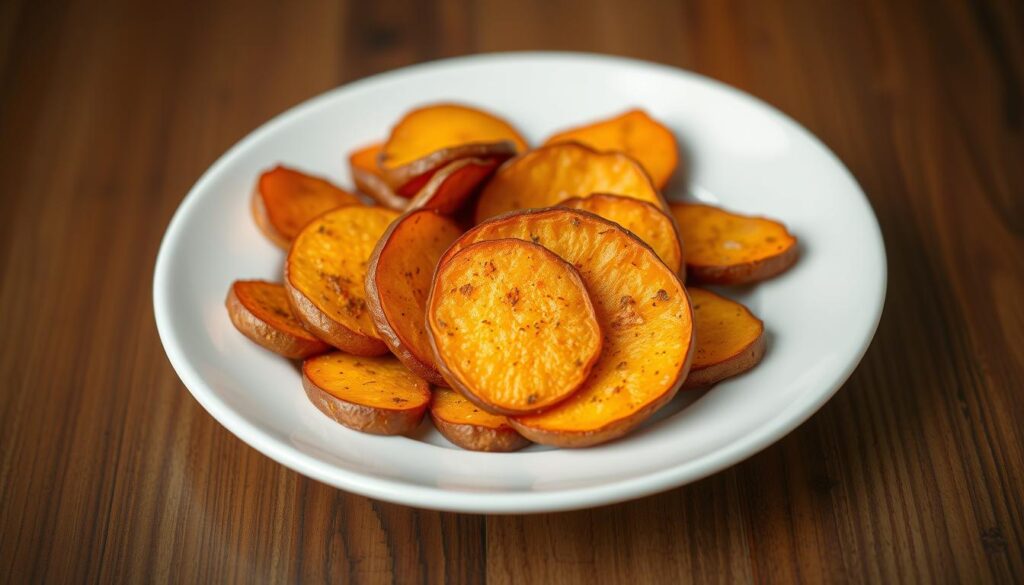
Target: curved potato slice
x,y
427,138
260,310
729,248
285,200
652,225
470,427
325,274
398,282
551,174
368,179
730,339
370,394
641,306
454,184
634,133
512,326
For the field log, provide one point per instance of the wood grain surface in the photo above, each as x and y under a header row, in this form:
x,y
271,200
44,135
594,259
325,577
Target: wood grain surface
x,y
111,472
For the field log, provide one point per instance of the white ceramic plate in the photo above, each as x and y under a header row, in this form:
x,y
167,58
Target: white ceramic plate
x,y
741,153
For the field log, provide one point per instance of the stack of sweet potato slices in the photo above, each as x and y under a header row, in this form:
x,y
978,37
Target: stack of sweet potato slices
x,y
514,294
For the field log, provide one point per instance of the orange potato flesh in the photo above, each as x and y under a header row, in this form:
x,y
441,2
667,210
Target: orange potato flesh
x,y
426,130
652,225
370,394
471,427
634,133
450,187
640,305
285,200
398,282
325,274
729,248
551,174
368,179
730,339
260,310
512,326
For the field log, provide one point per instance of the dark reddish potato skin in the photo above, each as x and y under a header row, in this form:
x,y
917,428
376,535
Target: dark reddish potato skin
x,y
321,325
426,371
263,334
409,178
741,362
746,273
479,438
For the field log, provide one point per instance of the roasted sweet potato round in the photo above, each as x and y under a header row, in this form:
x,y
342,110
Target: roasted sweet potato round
x,y
471,427
325,274
551,174
368,179
260,310
649,223
729,248
512,326
730,339
398,282
370,394
634,133
642,309
453,185
428,138
285,200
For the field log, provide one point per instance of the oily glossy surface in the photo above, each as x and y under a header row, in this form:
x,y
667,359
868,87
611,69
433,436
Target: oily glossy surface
x,y
550,174
649,223
433,127
512,326
908,474
328,261
635,133
643,312
289,199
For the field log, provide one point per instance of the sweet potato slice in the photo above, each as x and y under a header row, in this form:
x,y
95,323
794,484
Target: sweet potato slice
x,y
285,200
729,248
449,188
730,339
428,138
370,394
471,427
652,225
512,326
366,175
634,133
641,306
325,274
551,174
260,310
398,282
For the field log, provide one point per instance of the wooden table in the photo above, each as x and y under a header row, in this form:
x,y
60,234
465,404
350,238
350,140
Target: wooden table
x,y
110,471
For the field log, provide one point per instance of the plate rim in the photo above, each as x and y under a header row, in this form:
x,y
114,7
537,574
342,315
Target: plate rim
x,y
455,500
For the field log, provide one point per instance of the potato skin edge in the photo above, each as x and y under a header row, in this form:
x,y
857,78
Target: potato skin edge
x,y
262,218
479,438
391,338
743,361
266,336
375,187
330,331
747,272
617,428
454,383
398,177
359,417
